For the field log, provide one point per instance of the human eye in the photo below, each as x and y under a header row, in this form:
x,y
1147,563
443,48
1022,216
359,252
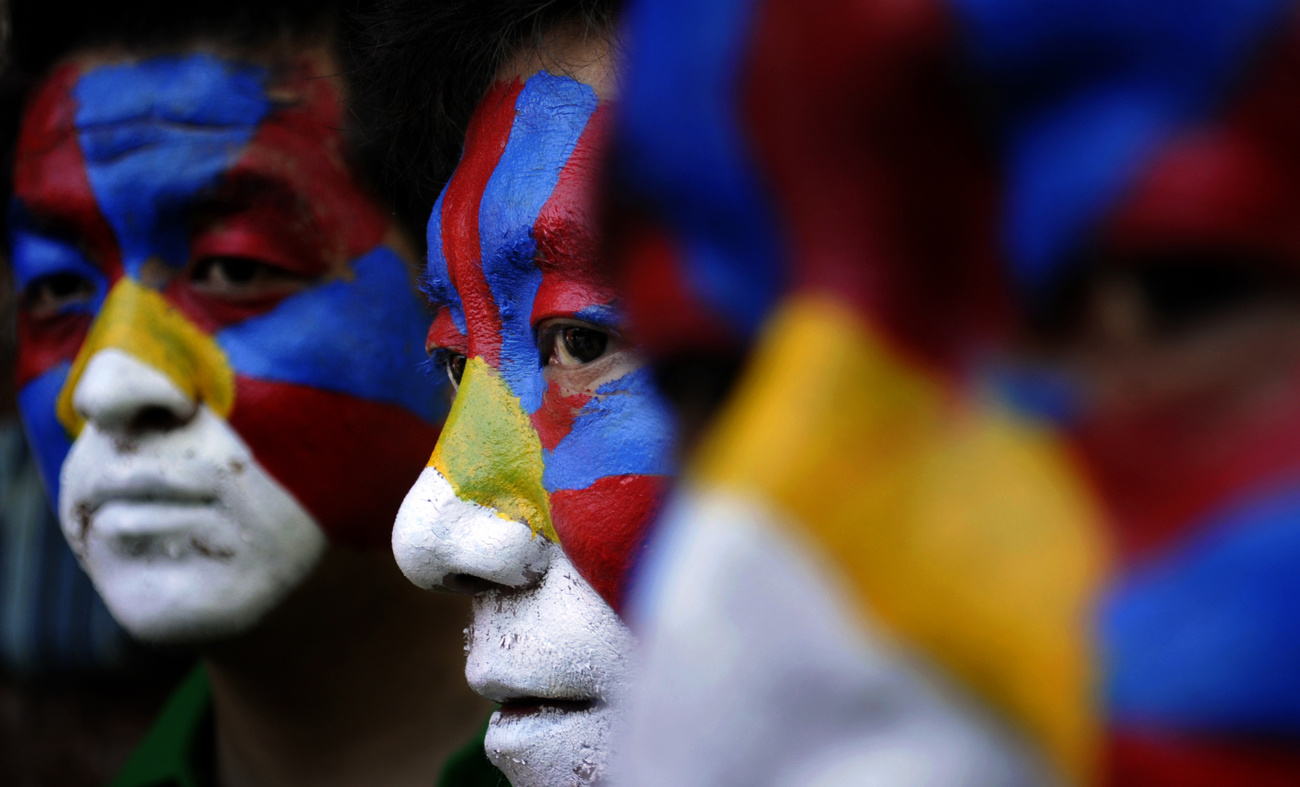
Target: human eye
x,y
239,278
450,361
51,295
571,344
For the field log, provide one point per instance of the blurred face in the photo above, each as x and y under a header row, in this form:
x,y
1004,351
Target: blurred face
x,y
208,383
1184,345
1165,426
538,493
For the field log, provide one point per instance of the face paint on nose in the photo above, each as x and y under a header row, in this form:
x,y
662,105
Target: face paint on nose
x,y
489,452
141,323
146,179
582,460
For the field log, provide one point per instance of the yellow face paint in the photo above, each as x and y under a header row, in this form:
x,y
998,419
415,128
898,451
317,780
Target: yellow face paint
x,y
140,322
490,453
965,530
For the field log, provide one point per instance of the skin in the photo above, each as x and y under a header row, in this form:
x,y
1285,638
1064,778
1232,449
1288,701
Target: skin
x,y
176,408
539,493
1169,382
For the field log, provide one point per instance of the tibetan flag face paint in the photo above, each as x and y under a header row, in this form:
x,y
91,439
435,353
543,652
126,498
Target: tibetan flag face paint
x,y
1047,387
552,461
863,516
555,424
215,316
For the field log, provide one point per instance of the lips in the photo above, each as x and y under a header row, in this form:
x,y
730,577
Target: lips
x,y
145,490
521,707
148,515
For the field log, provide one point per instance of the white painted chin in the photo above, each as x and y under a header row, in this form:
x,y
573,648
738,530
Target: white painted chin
x,y
187,538
543,643
553,747
557,640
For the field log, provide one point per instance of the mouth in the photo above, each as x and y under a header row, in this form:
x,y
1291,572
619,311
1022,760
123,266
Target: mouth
x,y
524,707
146,514
146,492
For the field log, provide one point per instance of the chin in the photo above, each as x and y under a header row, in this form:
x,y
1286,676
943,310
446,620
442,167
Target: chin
x,y
192,599
552,747
557,659
185,536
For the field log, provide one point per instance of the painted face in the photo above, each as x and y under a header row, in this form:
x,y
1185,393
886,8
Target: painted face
x,y
549,470
218,336
1132,470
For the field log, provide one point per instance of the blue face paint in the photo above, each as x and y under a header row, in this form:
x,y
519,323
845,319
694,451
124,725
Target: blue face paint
x,y
1225,598
550,115
436,282
1073,150
37,256
624,429
523,281
47,437
187,161
693,159
309,339
188,117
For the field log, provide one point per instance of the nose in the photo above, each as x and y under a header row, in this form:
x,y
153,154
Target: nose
x,y
442,542
152,366
479,516
489,452
118,393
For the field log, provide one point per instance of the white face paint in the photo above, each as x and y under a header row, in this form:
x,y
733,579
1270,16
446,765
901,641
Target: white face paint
x,y
755,672
184,534
543,643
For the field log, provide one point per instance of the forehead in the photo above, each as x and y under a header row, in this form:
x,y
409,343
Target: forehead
x,y
137,144
518,202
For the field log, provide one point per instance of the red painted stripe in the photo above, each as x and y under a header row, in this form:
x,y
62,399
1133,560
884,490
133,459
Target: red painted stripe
x,y
603,528
861,133
651,266
44,344
444,334
1230,184
565,229
1171,760
50,180
290,200
334,217
1164,466
485,141
50,172
350,462
554,421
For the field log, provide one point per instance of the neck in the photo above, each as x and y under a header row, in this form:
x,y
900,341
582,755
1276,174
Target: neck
x,y
357,679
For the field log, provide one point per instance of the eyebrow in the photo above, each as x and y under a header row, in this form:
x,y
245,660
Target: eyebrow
x,y
238,189
563,245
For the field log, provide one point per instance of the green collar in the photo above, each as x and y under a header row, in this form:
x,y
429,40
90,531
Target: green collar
x,y
178,749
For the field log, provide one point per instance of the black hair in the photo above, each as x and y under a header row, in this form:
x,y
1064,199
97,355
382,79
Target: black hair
x,y
42,33
423,65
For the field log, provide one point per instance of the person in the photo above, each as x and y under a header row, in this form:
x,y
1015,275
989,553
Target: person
x,y
1028,272
220,374
550,467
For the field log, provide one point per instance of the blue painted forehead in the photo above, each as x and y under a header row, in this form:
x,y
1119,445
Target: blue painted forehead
x,y
155,135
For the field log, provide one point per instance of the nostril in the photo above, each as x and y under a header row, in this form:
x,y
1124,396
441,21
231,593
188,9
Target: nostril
x,y
468,584
155,419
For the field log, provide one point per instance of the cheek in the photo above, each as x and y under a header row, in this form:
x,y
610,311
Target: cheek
x,y
48,439
1164,463
332,397
604,527
45,346
607,474
348,461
